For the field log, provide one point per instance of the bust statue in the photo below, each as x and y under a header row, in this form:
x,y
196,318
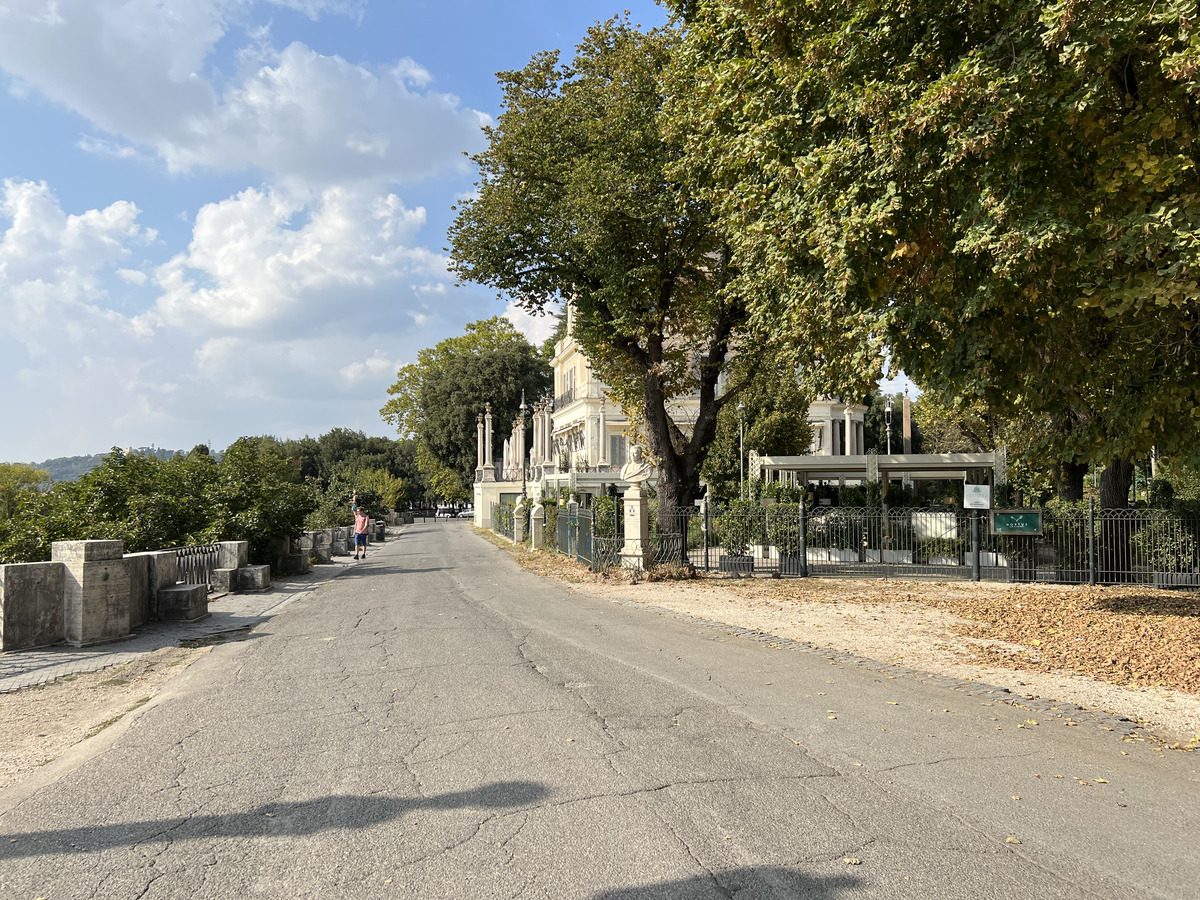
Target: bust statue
x,y
637,470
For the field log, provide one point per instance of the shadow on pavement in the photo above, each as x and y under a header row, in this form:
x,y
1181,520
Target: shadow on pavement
x,y
270,820
765,882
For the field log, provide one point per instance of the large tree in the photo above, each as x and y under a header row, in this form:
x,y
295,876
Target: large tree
x,y
438,398
575,204
1008,188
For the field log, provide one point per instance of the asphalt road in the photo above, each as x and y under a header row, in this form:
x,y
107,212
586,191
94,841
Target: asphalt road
x,y
437,723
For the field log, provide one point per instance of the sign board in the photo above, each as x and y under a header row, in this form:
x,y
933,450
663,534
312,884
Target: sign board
x,y
977,496
1016,521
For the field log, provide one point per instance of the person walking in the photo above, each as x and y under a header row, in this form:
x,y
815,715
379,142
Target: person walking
x,y
361,523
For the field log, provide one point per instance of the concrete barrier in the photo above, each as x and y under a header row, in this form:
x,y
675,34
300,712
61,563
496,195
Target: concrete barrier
x,y
31,605
96,596
187,602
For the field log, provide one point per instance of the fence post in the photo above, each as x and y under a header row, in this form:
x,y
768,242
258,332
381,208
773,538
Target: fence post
x,y
704,528
803,539
1091,541
974,545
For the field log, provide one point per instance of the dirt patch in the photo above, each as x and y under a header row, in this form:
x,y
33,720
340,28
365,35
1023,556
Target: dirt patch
x,y
40,723
1131,651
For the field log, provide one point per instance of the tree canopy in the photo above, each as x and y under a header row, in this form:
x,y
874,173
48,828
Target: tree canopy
x,y
1007,189
438,398
575,204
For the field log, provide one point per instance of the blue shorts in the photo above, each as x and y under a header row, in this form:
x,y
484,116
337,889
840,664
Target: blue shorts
x,y
360,540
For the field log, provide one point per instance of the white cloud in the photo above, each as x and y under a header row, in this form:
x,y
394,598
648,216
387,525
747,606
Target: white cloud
x,y
535,327
52,266
132,276
377,366
139,71
251,267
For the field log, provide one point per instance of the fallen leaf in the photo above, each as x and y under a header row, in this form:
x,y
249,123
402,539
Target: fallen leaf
x,y
1012,839
852,860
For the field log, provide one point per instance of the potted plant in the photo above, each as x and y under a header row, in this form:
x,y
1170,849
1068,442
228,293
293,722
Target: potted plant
x,y
738,529
783,530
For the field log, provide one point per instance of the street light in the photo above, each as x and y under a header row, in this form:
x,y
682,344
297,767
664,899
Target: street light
x,y
741,408
887,417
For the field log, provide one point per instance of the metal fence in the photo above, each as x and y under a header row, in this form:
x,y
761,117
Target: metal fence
x,y
197,562
1078,545
503,518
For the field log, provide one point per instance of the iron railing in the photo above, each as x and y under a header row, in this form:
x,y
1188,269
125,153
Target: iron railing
x,y
197,562
1078,545
503,516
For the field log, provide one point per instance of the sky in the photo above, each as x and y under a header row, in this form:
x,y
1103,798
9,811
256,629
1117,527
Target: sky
x,y
228,217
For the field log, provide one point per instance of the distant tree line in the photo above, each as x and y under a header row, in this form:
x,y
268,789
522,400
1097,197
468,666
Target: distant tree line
x,y
259,489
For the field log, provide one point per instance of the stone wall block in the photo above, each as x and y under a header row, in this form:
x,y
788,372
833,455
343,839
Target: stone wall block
x,y
141,597
234,554
186,602
86,551
96,592
225,581
254,578
31,605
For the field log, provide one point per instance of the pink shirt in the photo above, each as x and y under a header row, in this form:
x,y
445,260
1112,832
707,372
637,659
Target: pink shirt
x,y
360,522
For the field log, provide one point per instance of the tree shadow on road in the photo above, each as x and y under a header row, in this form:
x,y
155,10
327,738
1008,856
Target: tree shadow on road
x,y
759,882
283,820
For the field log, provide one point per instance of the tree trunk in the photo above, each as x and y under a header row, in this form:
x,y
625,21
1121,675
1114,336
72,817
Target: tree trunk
x,y
1115,530
1115,482
1068,480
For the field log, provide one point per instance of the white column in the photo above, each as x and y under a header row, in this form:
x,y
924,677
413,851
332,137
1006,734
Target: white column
x,y
850,448
479,441
603,436
835,441
487,438
539,450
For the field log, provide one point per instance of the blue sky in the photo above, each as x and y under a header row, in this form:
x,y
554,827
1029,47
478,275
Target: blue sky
x,y
226,217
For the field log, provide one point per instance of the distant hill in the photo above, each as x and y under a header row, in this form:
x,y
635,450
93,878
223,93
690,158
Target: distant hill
x,y
69,468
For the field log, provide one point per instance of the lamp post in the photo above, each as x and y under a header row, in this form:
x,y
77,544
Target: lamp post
x,y
741,408
887,417
523,408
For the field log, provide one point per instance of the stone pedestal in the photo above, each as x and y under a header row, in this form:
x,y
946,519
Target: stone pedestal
x,y
149,573
96,597
31,605
234,554
254,578
225,581
186,602
638,552
518,524
537,525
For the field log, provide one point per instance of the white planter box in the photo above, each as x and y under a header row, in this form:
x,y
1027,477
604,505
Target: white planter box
x,y
890,556
944,561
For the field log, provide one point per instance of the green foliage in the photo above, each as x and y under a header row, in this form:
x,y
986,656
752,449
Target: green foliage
x,y
437,400
257,496
15,479
1167,541
875,424
605,511
575,203
739,525
783,529
775,418
1005,192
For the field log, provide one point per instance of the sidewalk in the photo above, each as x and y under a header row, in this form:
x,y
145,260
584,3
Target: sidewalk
x,y
227,612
